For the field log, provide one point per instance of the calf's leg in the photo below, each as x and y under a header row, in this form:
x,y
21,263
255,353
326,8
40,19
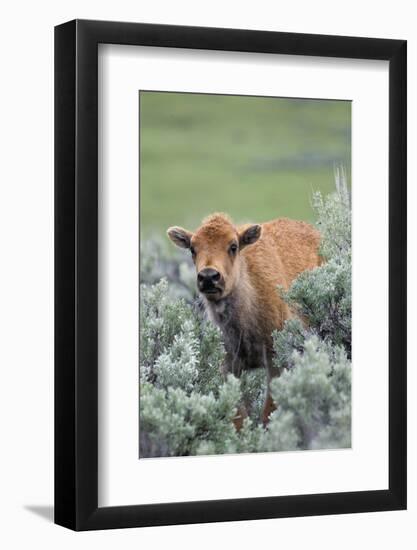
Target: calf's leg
x,y
269,404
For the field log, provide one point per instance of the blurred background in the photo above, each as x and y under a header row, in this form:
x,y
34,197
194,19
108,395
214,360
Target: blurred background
x,y
255,158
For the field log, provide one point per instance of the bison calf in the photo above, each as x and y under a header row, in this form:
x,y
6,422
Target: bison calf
x,y
238,271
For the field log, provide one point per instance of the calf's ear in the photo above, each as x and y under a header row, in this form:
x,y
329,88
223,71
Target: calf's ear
x,y
249,235
180,236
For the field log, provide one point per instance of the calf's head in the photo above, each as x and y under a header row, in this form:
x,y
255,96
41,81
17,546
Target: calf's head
x,y
215,249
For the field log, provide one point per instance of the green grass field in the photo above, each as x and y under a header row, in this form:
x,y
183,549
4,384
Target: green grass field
x,y
255,158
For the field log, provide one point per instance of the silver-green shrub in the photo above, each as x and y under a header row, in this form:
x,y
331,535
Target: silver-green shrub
x,y
334,219
178,349
159,261
174,423
313,401
186,405
323,297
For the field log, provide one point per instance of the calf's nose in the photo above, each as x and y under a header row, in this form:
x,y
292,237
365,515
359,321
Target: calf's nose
x,y
208,276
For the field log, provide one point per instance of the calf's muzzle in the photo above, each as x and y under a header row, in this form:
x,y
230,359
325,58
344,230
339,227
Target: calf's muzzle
x,y
209,281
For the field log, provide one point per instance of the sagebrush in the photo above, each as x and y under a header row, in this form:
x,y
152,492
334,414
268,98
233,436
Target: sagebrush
x,y
187,405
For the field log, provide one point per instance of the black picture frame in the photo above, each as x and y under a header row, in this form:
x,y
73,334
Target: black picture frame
x,y
76,272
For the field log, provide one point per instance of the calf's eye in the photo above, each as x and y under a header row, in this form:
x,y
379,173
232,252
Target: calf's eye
x,y
233,249
192,250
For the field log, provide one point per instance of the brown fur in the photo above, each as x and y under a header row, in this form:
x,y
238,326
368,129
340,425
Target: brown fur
x,y
247,306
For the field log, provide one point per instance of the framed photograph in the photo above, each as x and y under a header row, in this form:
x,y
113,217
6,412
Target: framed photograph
x,y
230,284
